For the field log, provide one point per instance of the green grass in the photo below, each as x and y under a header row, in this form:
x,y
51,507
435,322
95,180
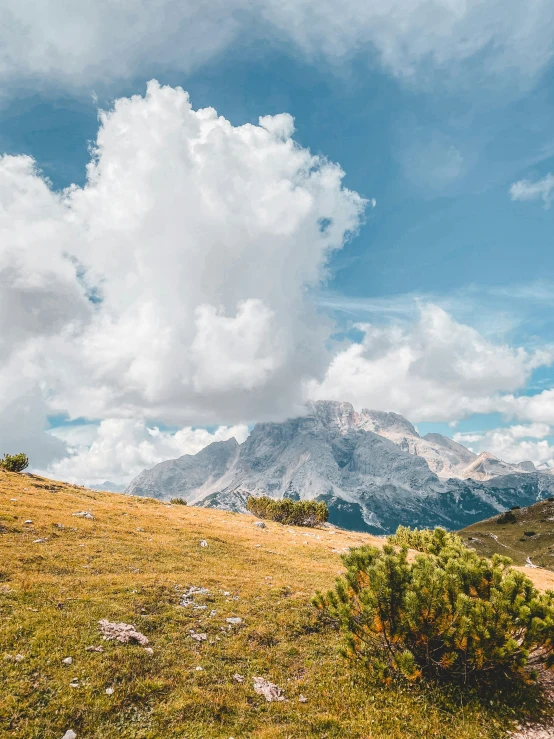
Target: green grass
x,y
130,564
531,535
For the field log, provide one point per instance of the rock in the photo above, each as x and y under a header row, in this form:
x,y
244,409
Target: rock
x,y
238,678
28,521
204,543
187,598
84,514
74,683
149,650
39,541
109,691
302,698
234,620
270,691
121,632
199,669
199,637
69,734
94,649
19,657
260,524
67,661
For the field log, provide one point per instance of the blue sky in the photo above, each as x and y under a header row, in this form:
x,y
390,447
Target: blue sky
x,y
436,135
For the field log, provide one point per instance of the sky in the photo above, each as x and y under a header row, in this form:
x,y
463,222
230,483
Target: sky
x,y
213,212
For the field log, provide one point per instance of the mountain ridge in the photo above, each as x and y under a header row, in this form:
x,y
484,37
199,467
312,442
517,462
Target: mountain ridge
x,y
371,481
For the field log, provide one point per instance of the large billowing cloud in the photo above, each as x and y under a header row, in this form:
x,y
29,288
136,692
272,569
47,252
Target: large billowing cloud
x,y
88,43
436,369
174,284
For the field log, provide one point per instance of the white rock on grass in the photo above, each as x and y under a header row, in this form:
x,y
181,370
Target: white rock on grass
x,y
149,650
69,734
198,637
121,632
84,514
187,598
260,524
109,691
238,678
19,657
234,621
270,691
204,543
67,661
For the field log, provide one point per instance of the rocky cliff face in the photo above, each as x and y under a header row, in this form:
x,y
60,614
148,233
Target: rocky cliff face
x,y
373,470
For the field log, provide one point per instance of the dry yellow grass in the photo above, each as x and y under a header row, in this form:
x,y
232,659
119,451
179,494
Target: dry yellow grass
x,y
130,564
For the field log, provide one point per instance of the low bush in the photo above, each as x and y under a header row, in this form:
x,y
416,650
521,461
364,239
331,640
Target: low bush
x,y
529,533
507,517
14,462
178,501
425,540
448,614
287,511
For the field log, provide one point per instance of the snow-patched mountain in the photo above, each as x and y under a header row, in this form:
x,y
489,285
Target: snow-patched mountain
x,y
373,470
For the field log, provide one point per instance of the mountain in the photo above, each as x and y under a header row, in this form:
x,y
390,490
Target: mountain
x,y
373,470
109,487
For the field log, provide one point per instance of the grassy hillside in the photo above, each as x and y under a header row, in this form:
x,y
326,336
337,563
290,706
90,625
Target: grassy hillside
x,y
527,535
61,574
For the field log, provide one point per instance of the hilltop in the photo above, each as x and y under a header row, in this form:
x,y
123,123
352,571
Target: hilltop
x,y
133,560
526,535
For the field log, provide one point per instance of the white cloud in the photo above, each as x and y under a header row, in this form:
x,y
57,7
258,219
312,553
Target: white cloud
x,y
174,284
514,444
119,449
91,43
436,369
542,189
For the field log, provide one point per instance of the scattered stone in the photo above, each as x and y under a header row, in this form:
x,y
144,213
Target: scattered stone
x,y
302,698
74,683
69,734
198,637
121,632
28,521
19,657
203,543
199,669
39,541
109,691
13,500
270,691
213,613
234,621
67,661
94,649
84,514
187,598
238,678
149,650
260,524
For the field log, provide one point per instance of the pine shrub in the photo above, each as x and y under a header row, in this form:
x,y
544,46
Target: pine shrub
x,y
448,614
14,462
178,501
287,511
508,517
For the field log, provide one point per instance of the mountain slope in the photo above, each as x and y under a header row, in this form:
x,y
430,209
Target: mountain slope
x,y
132,563
526,535
368,467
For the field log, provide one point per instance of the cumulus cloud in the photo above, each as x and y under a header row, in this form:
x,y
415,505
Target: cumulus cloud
x,y
119,449
542,189
94,42
174,284
436,369
514,444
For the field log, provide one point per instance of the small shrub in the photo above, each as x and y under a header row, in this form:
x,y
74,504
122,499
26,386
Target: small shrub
x,y
450,614
14,462
550,499
287,511
507,517
529,533
515,508
178,501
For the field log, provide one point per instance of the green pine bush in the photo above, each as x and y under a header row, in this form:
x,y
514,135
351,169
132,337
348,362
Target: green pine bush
x,y
178,501
14,462
287,511
448,614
